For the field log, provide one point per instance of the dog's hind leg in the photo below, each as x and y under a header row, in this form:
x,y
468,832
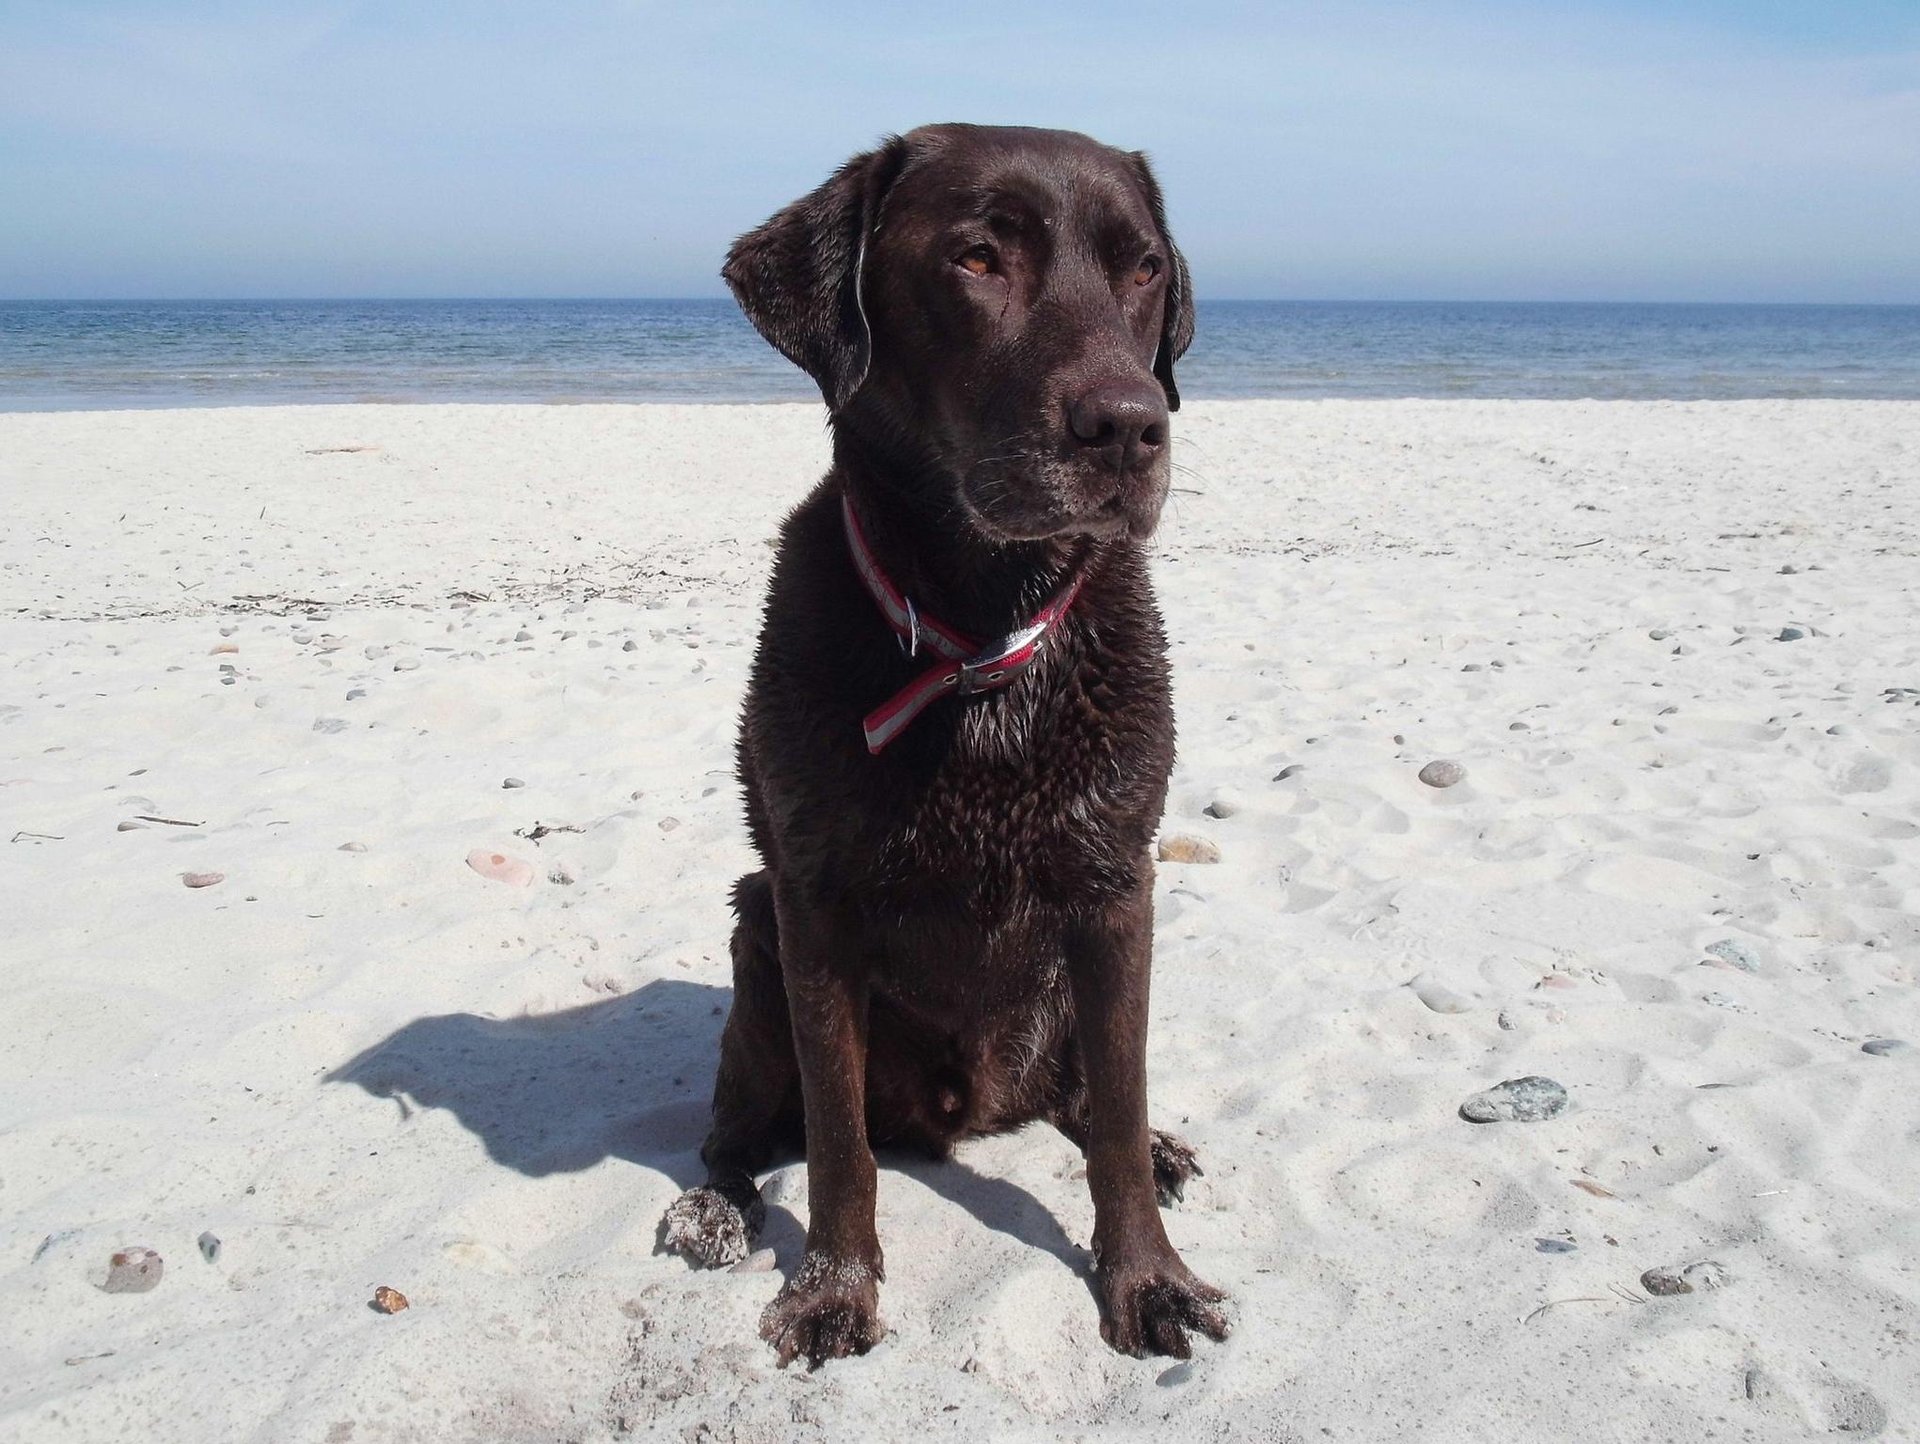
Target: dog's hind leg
x,y
756,1095
1174,1161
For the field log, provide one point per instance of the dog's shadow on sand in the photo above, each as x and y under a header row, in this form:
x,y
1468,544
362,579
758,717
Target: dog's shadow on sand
x,y
629,1079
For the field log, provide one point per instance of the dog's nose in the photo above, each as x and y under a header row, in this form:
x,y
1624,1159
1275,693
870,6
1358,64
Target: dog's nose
x,y
1127,416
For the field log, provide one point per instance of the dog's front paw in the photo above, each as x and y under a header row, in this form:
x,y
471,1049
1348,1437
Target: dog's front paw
x,y
715,1225
1173,1164
829,1309
1148,1309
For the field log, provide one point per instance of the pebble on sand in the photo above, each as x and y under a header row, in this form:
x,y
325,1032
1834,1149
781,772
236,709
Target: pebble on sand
x,y
1439,998
202,879
1443,773
500,868
209,1247
1517,1100
513,782
353,847
131,826
388,1301
760,1261
1182,848
133,1271
1735,952
1885,1047
1669,1279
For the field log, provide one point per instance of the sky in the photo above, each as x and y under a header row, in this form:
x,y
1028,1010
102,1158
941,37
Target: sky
x,y
1688,150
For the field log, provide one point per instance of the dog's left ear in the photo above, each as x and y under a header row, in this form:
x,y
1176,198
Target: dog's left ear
x,y
798,275
1176,326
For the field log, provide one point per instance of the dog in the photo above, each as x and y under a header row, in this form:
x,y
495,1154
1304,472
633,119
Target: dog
x,y
958,728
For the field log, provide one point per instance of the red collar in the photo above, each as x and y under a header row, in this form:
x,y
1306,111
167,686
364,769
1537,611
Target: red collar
x,y
965,667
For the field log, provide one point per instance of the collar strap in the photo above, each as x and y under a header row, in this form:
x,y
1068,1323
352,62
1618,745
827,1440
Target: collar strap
x,y
966,667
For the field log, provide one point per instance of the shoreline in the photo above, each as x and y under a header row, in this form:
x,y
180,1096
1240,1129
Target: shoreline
x,y
107,406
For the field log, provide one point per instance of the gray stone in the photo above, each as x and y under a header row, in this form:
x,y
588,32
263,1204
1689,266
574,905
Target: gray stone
x,y
1791,634
1442,773
209,1247
1669,1279
1517,1100
1732,950
329,724
1885,1047
512,782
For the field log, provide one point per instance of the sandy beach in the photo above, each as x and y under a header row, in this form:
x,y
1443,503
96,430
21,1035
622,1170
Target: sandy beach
x,y
328,653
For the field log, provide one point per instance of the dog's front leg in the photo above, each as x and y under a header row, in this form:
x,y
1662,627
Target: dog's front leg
x,y
830,1307
1148,1297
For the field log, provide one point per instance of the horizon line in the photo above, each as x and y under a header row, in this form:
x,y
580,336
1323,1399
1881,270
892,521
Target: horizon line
x,y
725,299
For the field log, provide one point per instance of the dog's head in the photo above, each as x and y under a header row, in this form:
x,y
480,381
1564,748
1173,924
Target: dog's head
x,y
997,309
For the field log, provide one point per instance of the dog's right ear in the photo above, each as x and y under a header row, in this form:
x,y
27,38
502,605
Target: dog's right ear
x,y
798,276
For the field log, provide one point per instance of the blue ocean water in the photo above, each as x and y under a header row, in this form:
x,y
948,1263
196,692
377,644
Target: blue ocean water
x,y
66,355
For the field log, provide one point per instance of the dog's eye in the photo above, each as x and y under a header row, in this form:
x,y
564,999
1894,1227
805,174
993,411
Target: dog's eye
x,y
978,261
1146,270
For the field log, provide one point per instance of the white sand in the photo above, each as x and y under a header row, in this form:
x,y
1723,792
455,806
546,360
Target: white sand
x,y
378,1067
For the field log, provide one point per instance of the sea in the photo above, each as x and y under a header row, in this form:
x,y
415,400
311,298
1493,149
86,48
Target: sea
x,y
89,355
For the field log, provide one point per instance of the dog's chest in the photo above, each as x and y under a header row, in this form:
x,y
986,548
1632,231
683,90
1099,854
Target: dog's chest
x,y
1049,804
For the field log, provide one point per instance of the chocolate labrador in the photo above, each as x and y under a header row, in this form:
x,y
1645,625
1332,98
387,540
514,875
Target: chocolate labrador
x,y
958,729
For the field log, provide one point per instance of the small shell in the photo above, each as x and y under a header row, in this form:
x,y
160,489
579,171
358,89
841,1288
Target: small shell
x,y
133,1271
202,879
388,1301
501,868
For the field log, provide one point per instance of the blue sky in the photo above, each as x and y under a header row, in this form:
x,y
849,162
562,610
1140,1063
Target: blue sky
x,y
1610,150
